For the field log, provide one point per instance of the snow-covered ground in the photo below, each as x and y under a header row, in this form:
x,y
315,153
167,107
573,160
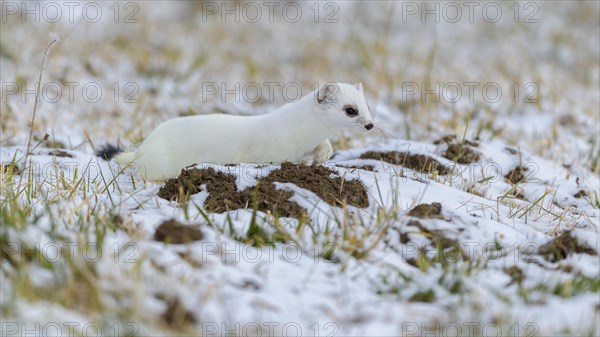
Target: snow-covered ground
x,y
517,82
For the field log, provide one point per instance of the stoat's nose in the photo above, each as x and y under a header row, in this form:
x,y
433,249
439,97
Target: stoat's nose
x,y
369,126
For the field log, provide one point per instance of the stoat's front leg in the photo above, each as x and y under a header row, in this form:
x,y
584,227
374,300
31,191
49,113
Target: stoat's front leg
x,y
322,152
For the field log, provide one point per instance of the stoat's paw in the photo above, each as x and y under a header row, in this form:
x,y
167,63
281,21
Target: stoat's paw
x,y
323,152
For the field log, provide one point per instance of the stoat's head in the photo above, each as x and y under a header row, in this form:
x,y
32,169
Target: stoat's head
x,y
344,104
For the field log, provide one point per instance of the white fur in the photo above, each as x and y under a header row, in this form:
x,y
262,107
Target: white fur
x,y
286,134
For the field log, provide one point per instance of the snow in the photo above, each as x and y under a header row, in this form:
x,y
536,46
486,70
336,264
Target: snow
x,y
290,288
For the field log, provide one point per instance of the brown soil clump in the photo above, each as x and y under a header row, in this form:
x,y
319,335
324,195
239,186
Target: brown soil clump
x,y
459,151
427,296
416,162
446,139
404,238
436,236
10,168
560,247
172,231
269,199
580,194
427,211
318,179
451,139
517,175
369,168
177,315
462,154
519,195
60,153
223,194
516,274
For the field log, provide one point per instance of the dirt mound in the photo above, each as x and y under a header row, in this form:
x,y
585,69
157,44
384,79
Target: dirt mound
x,y
562,246
516,274
452,139
60,153
223,194
517,175
461,153
369,168
427,211
416,162
427,296
10,168
172,231
177,315
323,181
435,235
448,249
518,194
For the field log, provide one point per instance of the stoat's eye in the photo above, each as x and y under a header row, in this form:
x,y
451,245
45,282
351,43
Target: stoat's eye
x,y
351,112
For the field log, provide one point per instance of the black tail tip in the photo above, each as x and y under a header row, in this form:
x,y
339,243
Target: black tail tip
x,y
108,151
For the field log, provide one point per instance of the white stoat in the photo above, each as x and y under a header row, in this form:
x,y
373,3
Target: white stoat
x,y
286,134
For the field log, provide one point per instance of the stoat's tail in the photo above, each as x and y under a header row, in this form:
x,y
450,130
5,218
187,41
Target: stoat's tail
x,y
108,152
125,157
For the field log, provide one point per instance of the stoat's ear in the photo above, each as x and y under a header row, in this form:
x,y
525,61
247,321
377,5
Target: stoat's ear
x,y
359,86
327,93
